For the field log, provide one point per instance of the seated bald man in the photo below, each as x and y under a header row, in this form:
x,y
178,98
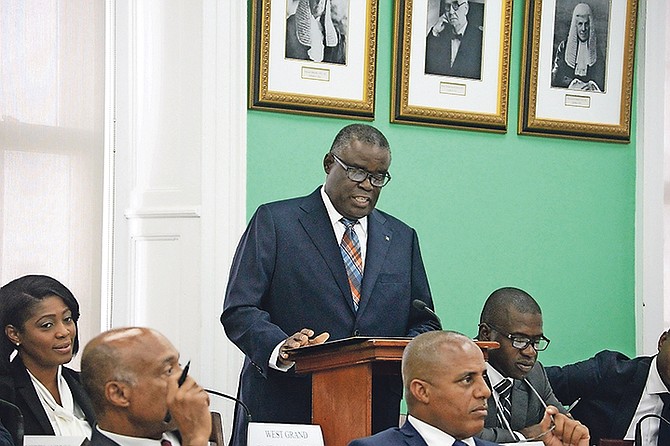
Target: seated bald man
x,y
131,376
446,393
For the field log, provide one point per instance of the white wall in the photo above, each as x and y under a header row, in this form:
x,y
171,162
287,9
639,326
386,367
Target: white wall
x,y
177,173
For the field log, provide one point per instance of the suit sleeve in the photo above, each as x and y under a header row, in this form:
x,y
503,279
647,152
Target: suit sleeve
x,y
244,320
583,379
420,321
496,435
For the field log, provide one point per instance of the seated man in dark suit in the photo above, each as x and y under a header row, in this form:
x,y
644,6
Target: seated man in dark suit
x,y
617,391
521,394
444,375
454,45
131,375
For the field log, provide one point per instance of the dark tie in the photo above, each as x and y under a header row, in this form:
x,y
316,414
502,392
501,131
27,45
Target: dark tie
x,y
504,389
353,262
456,36
166,442
663,428
459,443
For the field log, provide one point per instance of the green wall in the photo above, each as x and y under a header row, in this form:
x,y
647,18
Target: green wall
x,y
552,216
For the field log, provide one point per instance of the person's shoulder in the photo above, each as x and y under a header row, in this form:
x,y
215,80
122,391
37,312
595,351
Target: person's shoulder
x,y
386,437
480,442
289,203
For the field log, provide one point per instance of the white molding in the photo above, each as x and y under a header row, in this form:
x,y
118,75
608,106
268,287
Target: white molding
x,y
162,213
223,185
109,189
649,179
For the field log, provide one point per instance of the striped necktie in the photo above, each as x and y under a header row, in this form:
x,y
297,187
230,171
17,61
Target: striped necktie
x,y
353,262
504,389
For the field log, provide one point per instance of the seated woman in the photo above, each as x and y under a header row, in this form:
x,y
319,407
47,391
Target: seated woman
x,y
39,316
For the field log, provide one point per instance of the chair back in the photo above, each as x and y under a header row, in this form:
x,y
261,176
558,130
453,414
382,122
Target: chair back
x,y
12,418
216,437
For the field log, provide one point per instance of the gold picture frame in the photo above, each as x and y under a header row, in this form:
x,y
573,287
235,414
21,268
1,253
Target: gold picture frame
x,y
592,100
293,71
427,90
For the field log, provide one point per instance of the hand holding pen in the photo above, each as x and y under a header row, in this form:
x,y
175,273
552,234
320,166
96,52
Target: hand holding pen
x,y
188,404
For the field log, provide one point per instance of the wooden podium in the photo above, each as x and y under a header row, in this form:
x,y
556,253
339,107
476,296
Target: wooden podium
x,y
342,375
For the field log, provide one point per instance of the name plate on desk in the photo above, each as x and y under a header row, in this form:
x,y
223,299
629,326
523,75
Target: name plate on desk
x,y
52,440
275,434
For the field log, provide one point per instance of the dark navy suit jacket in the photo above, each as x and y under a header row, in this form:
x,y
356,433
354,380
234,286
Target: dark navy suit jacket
x,y
288,274
610,386
16,387
404,436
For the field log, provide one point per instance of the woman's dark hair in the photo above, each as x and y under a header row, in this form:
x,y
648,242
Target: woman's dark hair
x,y
18,300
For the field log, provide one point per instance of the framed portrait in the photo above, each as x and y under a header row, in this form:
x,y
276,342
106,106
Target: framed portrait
x,y
314,57
451,63
578,69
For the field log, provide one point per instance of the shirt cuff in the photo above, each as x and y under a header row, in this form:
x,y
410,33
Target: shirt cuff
x,y
273,360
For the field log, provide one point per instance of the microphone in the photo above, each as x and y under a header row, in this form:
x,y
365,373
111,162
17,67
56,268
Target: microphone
x,y
638,430
421,306
247,412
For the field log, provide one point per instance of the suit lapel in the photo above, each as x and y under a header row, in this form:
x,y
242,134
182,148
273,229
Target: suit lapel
x,y
379,241
24,387
519,405
79,395
317,225
412,437
629,401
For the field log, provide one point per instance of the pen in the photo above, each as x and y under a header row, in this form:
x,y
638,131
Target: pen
x,y
184,372
180,381
572,406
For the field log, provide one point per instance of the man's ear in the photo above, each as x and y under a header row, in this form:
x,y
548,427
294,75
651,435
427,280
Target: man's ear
x,y
118,393
13,334
420,391
484,333
327,162
662,339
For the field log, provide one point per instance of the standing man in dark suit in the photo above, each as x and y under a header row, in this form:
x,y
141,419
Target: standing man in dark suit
x,y
521,394
133,378
453,45
617,391
327,263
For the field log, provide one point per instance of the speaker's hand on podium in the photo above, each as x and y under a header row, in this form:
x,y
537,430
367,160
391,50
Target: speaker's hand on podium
x,y
300,339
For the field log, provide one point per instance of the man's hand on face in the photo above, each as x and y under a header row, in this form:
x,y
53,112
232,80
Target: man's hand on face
x,y
299,339
189,407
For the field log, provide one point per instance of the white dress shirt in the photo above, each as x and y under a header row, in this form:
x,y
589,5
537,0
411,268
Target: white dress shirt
x,y
650,403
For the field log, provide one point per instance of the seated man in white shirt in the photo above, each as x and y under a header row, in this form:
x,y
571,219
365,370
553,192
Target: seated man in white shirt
x,y
615,392
133,378
446,393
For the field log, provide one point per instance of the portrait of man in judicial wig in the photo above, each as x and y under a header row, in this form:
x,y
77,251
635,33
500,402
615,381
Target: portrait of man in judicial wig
x,y
454,33
316,30
580,45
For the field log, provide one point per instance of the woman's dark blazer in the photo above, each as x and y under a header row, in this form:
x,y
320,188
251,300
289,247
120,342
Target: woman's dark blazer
x,y
16,387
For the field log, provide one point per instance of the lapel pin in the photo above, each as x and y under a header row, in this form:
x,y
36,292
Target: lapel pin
x,y
387,238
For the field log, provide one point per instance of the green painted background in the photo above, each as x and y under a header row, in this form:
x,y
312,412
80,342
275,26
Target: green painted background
x,y
552,216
